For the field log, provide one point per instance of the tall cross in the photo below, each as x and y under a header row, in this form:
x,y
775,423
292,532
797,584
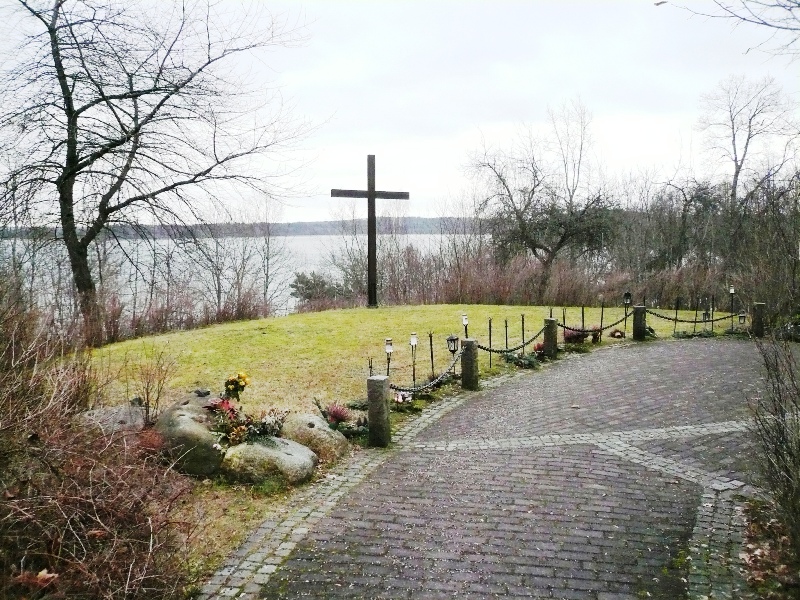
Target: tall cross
x,y
372,235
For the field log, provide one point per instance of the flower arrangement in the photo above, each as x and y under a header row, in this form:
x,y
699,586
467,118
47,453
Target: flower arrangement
x,y
236,385
574,337
404,402
233,426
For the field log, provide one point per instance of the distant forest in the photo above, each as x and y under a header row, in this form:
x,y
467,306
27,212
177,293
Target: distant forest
x,y
385,225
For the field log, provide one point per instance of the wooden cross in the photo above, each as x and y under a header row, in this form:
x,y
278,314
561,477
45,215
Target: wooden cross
x,y
372,235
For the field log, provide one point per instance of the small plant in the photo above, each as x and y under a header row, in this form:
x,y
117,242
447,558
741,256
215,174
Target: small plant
x,y
526,361
334,414
358,405
576,348
404,402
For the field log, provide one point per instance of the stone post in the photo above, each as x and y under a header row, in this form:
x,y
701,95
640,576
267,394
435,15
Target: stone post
x,y
469,364
380,431
551,338
639,323
758,319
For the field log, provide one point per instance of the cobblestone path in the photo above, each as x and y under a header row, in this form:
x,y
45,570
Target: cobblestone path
x,y
609,476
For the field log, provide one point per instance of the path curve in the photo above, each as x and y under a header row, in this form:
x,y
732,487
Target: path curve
x,y
616,475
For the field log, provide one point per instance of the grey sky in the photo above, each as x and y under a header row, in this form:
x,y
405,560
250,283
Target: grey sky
x,y
421,84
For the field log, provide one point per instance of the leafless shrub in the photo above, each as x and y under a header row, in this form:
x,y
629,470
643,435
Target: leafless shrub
x,y
82,515
776,425
150,375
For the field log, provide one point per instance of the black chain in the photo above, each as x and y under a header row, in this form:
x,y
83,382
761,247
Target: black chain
x,y
692,322
589,331
430,384
514,349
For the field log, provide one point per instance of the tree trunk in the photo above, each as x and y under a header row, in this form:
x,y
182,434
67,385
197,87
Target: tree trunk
x,y
78,253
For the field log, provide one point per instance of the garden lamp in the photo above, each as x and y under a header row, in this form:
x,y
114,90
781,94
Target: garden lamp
x,y
706,315
389,351
742,317
732,292
465,322
626,300
452,346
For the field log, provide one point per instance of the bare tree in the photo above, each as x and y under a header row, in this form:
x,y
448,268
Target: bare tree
x,y
780,16
749,125
118,112
539,200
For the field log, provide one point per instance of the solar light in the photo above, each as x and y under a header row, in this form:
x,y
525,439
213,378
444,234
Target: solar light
x,y
742,317
389,350
706,315
465,322
413,341
626,299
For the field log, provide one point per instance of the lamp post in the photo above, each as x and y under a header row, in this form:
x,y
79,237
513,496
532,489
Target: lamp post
x,y
731,291
413,343
465,323
452,346
626,302
389,350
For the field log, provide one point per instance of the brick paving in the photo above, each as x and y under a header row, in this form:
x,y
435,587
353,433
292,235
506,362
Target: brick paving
x,y
609,476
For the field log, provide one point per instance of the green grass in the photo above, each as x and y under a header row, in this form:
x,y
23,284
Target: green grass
x,y
292,360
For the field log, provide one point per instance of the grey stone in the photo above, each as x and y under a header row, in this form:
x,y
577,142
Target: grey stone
x,y
313,432
278,458
186,428
111,419
469,364
380,430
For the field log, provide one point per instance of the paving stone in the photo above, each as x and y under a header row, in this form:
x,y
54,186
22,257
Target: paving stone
x,y
509,492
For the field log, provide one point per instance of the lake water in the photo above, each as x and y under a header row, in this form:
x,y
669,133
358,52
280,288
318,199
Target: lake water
x,y
205,273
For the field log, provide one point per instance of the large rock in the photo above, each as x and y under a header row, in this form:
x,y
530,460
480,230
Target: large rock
x,y
186,429
278,458
312,431
113,419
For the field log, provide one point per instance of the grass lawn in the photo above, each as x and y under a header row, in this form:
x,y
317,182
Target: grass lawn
x,y
292,360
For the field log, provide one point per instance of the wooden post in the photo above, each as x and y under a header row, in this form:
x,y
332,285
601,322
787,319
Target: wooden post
x,y
380,431
758,319
469,364
639,323
550,338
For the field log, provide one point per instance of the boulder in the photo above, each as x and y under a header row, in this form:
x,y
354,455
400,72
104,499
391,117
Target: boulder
x,y
277,458
186,429
113,419
313,431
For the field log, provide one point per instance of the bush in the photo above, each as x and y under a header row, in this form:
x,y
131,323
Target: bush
x,y
82,514
776,426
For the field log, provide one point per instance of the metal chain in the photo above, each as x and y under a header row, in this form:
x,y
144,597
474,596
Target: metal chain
x,y
430,384
514,349
589,331
693,322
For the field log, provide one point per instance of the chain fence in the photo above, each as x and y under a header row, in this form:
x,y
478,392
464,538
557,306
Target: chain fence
x,y
590,331
514,349
431,384
689,321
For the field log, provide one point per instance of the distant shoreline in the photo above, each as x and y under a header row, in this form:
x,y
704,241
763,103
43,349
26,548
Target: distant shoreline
x,y
385,226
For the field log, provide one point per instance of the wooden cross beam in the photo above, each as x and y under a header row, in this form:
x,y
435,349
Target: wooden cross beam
x,y
372,235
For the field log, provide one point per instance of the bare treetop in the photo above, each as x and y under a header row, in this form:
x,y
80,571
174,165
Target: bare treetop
x,y
777,15
121,111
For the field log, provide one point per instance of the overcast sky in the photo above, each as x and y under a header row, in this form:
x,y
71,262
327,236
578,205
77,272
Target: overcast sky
x,y
421,84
